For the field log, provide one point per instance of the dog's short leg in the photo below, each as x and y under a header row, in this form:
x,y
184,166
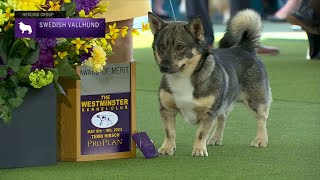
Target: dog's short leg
x,y
168,118
261,114
217,135
206,123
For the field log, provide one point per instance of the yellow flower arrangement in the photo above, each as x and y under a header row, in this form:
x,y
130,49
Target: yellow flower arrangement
x,y
29,5
145,27
54,6
61,55
56,58
123,31
98,59
2,17
8,26
8,15
135,32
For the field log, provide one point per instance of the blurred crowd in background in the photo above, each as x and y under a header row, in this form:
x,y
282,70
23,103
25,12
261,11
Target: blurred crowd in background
x,y
302,14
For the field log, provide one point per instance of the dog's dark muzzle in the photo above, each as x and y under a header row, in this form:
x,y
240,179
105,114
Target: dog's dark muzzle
x,y
166,67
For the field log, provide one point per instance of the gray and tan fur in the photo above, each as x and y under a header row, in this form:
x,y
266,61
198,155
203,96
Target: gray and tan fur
x,y
202,84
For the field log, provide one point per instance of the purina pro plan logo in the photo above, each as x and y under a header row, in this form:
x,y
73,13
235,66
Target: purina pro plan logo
x,y
104,119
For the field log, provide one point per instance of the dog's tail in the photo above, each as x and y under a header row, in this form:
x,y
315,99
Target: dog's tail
x,y
244,29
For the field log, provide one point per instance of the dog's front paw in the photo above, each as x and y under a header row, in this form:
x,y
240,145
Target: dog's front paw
x,y
260,142
199,152
165,150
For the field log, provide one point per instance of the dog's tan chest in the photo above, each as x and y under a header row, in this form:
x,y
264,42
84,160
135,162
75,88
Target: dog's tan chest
x,y
183,100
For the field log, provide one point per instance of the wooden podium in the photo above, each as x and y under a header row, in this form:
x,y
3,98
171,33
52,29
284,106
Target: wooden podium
x,y
98,116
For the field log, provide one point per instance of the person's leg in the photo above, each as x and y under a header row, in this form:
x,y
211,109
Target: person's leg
x,y
307,16
316,6
284,12
314,44
201,7
290,6
158,7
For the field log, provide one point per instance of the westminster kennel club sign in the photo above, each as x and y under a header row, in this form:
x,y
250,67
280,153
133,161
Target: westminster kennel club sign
x,y
105,110
96,117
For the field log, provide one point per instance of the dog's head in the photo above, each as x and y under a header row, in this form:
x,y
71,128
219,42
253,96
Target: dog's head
x,y
177,46
101,117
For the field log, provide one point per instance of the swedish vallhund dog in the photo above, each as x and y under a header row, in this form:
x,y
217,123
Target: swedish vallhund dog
x,y
203,84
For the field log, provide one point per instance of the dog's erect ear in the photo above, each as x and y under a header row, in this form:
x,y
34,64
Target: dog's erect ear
x,y
156,23
196,28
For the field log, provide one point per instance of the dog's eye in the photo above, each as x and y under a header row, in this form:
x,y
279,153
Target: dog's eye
x,y
161,47
180,47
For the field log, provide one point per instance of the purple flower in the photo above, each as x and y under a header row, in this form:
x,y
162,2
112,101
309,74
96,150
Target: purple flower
x,y
86,5
46,53
85,56
46,43
45,59
10,72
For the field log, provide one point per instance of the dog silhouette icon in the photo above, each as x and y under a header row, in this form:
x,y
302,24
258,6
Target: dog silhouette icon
x,y
25,27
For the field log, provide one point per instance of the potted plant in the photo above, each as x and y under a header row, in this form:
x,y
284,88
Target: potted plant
x,y
30,71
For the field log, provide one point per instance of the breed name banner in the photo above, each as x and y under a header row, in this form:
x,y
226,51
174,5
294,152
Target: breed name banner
x,y
105,110
59,27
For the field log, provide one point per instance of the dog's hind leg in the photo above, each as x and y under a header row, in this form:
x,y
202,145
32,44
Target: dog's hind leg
x,y
217,135
261,114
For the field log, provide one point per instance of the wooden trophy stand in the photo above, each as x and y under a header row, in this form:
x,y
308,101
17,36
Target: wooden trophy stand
x,y
97,116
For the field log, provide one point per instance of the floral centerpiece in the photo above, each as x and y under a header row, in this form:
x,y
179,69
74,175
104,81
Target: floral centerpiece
x,y
35,63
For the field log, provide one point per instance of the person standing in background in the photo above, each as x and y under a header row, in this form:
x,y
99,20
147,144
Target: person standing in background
x,y
282,14
158,9
308,17
201,8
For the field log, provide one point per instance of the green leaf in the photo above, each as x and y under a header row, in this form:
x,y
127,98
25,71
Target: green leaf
x,y
5,114
13,81
73,53
33,56
31,43
22,51
66,70
15,46
14,64
15,102
3,72
1,100
21,91
57,86
70,9
4,93
3,49
23,73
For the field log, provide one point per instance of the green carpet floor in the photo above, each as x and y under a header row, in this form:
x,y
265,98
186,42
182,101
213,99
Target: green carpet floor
x,y
293,151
